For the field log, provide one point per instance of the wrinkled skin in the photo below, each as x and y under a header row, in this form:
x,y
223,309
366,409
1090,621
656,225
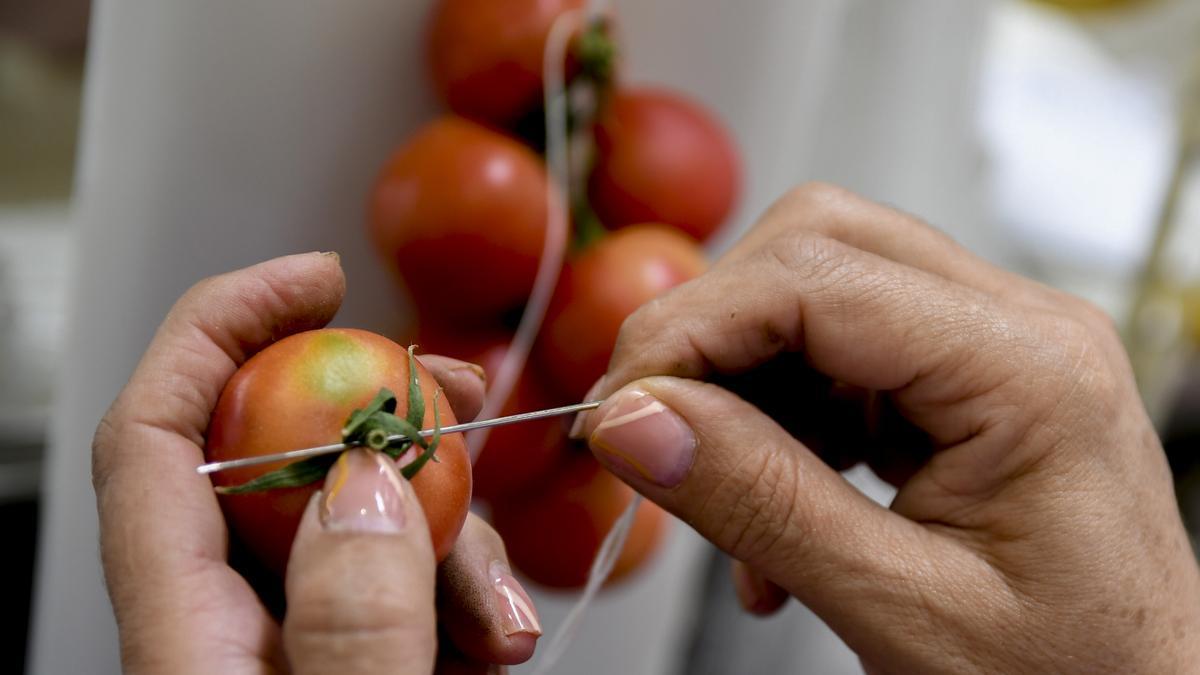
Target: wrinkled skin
x,y
1035,529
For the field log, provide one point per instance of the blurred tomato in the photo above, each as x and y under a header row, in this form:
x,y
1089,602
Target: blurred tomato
x,y
663,158
516,456
460,214
486,56
552,535
599,289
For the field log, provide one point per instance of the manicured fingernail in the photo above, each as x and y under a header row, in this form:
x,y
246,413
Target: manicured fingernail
x,y
517,614
576,432
640,437
363,493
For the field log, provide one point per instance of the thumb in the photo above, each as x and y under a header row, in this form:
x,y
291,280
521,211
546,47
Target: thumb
x,y
360,581
756,492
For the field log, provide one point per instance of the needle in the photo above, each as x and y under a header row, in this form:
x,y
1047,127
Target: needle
x,y
214,467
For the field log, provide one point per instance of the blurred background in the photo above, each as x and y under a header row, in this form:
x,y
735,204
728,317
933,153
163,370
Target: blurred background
x,y
146,145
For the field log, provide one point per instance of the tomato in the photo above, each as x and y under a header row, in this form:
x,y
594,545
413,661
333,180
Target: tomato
x,y
662,158
486,56
297,393
516,456
602,287
459,212
552,535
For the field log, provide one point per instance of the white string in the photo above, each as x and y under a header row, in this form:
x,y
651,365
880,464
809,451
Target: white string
x,y
602,566
557,160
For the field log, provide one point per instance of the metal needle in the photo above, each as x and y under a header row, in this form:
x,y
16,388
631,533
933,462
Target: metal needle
x,y
305,453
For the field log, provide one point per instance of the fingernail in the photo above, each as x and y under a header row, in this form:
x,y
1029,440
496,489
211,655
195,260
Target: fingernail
x,y
476,370
332,254
639,437
517,614
363,493
576,432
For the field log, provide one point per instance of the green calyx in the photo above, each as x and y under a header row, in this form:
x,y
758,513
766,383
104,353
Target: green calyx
x,y
377,427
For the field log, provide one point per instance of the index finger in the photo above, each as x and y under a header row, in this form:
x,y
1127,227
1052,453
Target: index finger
x,y
858,318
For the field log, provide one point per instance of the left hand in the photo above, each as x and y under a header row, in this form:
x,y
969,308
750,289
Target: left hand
x,y
179,604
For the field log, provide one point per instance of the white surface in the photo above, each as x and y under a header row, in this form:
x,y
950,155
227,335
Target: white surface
x,y
1080,123
1082,143
220,133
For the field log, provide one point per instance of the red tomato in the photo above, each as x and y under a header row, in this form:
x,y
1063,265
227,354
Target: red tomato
x,y
663,158
553,534
297,393
599,289
486,56
516,456
460,214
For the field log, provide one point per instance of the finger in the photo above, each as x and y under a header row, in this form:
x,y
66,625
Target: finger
x,y
759,595
360,580
482,607
833,212
842,424
858,319
748,486
464,383
163,540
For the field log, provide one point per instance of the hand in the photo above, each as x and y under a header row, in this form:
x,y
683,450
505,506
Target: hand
x,y
1035,528
358,602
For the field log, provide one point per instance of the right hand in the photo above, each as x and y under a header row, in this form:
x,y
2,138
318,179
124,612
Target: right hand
x,y
1035,528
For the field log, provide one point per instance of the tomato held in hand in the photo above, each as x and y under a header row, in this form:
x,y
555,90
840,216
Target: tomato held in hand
x,y
459,212
662,158
599,289
298,393
486,56
516,456
552,535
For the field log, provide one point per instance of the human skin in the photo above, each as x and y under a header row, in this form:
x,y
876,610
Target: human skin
x,y
361,578
1035,527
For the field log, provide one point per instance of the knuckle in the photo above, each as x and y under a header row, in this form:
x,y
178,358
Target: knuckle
x,y
1084,371
201,291
639,326
804,207
814,198
1100,321
809,255
104,443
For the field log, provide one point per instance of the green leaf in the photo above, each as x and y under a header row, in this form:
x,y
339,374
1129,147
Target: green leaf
x,y
384,401
416,401
296,474
411,469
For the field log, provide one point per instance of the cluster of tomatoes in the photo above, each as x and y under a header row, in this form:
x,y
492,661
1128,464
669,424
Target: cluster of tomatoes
x,y
460,212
